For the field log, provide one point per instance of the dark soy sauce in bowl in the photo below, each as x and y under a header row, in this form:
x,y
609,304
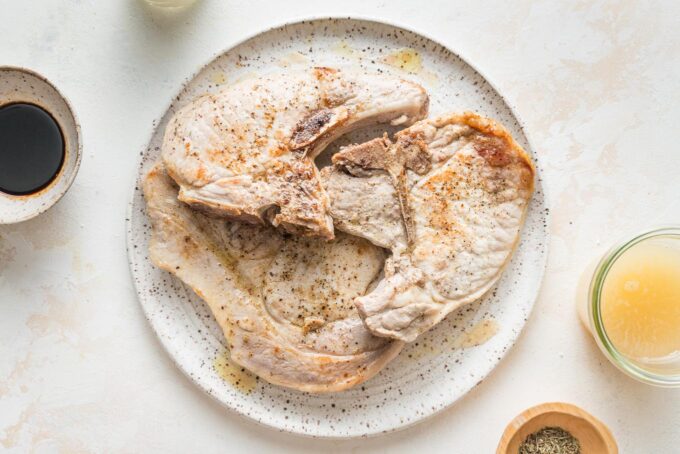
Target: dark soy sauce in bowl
x,y
31,148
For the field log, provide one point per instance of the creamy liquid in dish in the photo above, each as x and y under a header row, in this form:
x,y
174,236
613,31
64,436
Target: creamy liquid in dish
x,y
640,302
171,3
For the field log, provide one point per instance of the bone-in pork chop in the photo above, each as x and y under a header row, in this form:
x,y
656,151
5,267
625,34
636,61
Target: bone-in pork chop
x,y
285,304
247,152
461,185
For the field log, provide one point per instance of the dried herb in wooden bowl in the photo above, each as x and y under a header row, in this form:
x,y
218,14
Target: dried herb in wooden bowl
x,y
550,440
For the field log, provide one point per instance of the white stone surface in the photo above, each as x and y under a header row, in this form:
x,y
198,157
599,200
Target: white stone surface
x,y
596,83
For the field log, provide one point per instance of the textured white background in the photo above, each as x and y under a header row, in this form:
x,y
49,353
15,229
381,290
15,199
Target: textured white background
x,y
598,86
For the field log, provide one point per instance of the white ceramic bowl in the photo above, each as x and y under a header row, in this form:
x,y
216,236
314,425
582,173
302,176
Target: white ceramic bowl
x,y
24,85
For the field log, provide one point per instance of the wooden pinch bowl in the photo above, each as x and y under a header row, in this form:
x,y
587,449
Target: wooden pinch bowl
x,y
592,434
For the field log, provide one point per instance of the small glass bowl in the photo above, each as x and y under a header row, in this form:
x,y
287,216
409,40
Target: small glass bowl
x,y
665,374
178,4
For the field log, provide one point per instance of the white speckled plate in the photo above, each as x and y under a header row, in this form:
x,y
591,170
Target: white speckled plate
x,y
430,374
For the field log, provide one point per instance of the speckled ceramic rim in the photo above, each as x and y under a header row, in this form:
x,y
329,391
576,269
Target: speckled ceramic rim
x,y
71,152
292,22
595,316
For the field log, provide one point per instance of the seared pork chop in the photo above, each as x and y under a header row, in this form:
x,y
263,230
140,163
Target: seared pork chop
x,y
461,185
247,152
285,304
